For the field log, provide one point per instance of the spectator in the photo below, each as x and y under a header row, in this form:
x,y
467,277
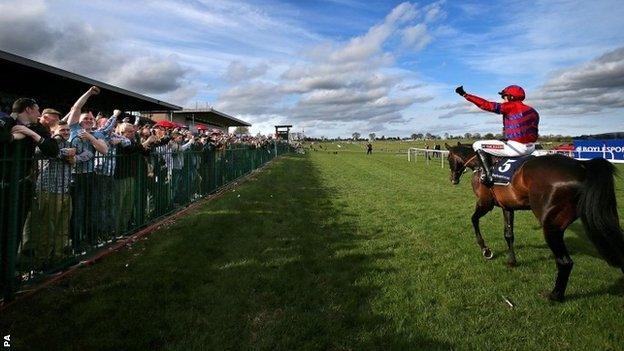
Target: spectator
x,y
49,119
178,146
46,232
161,162
128,168
104,171
20,135
84,202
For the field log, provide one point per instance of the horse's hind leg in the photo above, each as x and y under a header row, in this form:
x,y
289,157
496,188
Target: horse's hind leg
x,y
554,239
480,211
509,237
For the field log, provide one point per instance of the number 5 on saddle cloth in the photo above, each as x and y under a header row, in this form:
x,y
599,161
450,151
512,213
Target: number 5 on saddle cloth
x,y
503,168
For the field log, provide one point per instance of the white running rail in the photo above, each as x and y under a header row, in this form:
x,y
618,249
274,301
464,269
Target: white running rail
x,y
427,154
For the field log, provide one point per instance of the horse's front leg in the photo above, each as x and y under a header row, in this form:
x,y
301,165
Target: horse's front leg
x,y
509,237
480,211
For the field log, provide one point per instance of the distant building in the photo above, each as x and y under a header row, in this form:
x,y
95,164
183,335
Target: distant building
x,y
207,116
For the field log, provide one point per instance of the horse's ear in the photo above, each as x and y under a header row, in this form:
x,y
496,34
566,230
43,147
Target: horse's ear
x,y
447,146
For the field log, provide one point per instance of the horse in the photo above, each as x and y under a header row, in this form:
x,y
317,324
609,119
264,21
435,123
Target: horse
x,y
559,190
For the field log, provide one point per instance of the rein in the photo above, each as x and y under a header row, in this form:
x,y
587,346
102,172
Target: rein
x,y
470,160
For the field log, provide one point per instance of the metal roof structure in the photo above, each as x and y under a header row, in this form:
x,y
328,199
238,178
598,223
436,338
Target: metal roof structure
x,y
211,116
57,88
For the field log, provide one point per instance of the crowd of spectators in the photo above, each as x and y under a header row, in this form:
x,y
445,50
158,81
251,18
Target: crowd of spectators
x,y
76,181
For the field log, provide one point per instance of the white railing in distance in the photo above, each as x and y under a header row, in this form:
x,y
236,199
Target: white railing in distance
x,y
427,155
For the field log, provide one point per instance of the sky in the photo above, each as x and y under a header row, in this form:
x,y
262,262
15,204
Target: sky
x,y
334,67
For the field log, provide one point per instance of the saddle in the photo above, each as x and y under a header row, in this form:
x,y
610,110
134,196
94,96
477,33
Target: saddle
x,y
504,168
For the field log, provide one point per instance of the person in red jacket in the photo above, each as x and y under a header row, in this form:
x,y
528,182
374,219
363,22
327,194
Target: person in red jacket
x,y
520,127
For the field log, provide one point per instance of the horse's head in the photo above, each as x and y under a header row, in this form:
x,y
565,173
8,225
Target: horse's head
x,y
459,157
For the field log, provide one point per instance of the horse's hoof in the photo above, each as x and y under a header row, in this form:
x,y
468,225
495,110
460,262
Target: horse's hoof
x,y
488,254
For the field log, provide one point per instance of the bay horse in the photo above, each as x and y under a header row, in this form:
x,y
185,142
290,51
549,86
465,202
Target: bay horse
x,y
558,189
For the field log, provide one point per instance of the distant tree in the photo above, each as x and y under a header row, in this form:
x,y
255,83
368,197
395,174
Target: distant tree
x,y
371,137
428,136
476,135
446,135
488,136
355,136
468,136
383,137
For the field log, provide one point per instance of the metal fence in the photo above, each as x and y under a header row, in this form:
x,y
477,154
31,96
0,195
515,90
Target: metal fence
x,y
54,212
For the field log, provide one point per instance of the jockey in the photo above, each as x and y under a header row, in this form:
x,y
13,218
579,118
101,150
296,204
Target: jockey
x,y
520,124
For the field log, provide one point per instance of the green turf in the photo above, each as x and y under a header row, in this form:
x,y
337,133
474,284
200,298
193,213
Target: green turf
x,y
331,252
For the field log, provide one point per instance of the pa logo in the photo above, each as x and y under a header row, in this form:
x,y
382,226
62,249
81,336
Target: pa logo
x,y
7,341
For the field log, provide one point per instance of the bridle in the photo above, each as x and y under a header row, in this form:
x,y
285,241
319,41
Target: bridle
x,y
457,173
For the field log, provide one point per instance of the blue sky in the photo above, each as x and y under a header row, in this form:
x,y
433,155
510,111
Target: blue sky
x,y
336,67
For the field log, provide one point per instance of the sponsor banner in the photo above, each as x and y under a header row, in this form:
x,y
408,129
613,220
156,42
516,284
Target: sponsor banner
x,y
493,146
609,149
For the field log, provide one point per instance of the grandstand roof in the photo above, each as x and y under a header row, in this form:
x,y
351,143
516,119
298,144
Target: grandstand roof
x,y
57,88
211,116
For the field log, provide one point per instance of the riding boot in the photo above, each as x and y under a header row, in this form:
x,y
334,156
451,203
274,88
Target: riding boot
x,y
486,173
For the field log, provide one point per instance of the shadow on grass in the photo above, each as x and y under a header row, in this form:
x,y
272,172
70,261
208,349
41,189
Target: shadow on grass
x,y
616,288
578,244
279,266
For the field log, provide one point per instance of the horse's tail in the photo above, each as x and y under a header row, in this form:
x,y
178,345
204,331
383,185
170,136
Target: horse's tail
x,y
598,210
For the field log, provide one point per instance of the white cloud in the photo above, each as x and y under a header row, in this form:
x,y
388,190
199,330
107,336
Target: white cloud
x,y
416,36
540,37
593,87
350,84
434,11
238,72
81,47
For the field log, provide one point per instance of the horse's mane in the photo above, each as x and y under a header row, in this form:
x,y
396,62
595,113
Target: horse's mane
x,y
462,149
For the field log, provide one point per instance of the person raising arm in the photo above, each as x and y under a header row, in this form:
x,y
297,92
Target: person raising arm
x,y
520,127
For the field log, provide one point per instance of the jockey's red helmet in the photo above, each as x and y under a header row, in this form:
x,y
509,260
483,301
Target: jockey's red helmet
x,y
514,91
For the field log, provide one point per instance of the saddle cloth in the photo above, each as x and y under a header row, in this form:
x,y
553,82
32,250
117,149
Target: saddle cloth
x,y
504,169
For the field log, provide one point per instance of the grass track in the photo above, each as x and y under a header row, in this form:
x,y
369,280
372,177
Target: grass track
x,y
339,252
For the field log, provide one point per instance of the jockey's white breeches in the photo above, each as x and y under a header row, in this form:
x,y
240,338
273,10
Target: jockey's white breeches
x,y
508,148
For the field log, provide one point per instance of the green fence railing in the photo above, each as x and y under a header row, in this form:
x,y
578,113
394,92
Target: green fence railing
x,y
54,212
